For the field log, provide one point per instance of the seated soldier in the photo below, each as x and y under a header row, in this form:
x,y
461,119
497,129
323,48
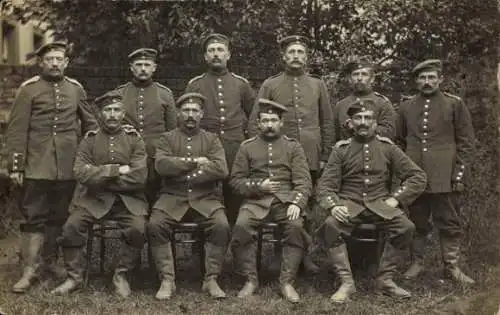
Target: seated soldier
x,y
192,164
355,188
111,170
271,172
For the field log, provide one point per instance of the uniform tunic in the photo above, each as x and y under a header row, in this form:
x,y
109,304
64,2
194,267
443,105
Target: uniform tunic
x,y
150,109
384,114
309,115
229,102
184,184
46,120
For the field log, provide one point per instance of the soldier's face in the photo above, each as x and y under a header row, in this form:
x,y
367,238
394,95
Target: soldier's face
x,y
270,124
190,115
53,63
364,124
143,69
295,56
361,79
217,55
112,115
428,82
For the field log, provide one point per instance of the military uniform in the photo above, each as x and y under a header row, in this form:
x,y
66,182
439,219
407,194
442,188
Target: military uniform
x,y
150,109
230,99
358,176
384,113
48,116
282,160
105,194
436,132
189,193
309,115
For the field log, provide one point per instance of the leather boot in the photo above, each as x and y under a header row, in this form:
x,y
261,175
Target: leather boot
x,y
290,261
340,259
245,260
128,260
309,264
387,269
162,255
450,250
50,253
74,260
417,254
213,266
32,244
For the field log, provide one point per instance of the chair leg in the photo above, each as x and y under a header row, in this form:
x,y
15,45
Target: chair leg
x,y
102,250
173,243
201,244
90,241
259,251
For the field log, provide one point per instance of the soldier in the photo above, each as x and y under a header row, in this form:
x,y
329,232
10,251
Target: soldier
x,y
229,101
436,130
191,162
41,141
361,77
309,115
111,170
355,189
150,109
271,172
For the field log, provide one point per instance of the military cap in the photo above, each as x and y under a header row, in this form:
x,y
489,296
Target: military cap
x,y
293,39
143,54
108,98
196,98
359,63
215,38
428,65
270,107
360,105
58,45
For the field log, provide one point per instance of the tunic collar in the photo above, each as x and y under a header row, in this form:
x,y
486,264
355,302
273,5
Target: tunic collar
x,y
141,83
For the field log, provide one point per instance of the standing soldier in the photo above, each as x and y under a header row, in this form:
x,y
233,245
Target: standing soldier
x,y
435,128
41,142
191,162
271,171
354,188
309,115
111,170
229,100
361,77
150,109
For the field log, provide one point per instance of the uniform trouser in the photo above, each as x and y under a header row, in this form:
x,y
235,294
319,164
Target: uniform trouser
x,y
153,184
75,229
399,229
245,234
217,233
445,211
45,203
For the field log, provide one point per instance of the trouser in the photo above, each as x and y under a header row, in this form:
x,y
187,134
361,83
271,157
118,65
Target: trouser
x,y
232,201
153,185
74,237
217,234
445,212
399,230
45,203
245,234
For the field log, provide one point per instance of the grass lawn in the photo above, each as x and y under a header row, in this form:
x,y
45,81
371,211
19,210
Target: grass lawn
x,y
431,294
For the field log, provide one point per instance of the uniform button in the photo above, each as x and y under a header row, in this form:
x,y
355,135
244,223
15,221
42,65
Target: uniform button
x,y
297,91
428,100
426,106
296,106
424,126
219,87
141,102
142,90
221,102
141,123
424,141
270,161
141,97
56,85
270,153
189,139
141,130
366,145
188,147
141,116
367,166
425,120
270,174
112,158
220,94
364,194
56,118
222,118
299,120
55,126
367,180
424,149
367,152
57,90
219,80
426,113
367,159
295,79
425,134
190,190
111,144
296,97
55,133
222,109
222,132
189,154
111,138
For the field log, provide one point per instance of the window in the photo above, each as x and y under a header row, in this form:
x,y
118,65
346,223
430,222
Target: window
x,y
7,42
